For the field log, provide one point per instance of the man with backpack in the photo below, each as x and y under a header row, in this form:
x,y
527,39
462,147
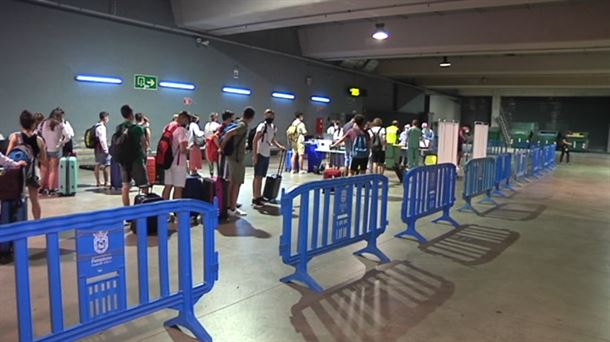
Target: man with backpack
x,y
174,155
263,139
233,149
129,145
296,137
378,146
360,145
102,154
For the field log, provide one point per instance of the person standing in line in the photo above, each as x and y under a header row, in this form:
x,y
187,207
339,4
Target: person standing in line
x,y
68,132
196,142
392,133
348,144
565,148
53,135
360,145
414,136
296,136
261,153
175,176
143,121
36,144
102,155
134,148
235,160
211,142
427,135
404,145
378,146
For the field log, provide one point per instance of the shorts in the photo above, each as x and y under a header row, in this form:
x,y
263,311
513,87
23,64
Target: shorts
x,y
236,172
298,148
56,154
136,172
348,160
378,157
176,176
261,167
102,158
359,164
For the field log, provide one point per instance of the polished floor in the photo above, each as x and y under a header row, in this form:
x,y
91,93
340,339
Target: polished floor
x,y
535,268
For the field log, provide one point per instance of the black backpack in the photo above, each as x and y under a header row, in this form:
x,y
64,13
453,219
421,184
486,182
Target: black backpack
x,y
123,149
376,144
252,134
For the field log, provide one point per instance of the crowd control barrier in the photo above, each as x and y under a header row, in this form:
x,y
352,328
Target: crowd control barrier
x,y
345,211
495,147
521,166
549,156
503,173
479,179
428,190
537,161
101,270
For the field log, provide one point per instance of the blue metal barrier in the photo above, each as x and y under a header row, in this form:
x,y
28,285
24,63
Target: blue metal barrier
x,y
537,161
428,190
495,147
503,173
549,156
100,259
345,211
479,178
521,166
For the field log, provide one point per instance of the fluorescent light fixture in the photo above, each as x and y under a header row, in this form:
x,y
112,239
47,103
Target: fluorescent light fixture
x,y
177,85
320,99
280,95
239,91
380,33
99,79
445,63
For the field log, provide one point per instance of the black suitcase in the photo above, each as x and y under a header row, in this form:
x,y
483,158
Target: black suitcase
x,y
193,189
274,182
151,221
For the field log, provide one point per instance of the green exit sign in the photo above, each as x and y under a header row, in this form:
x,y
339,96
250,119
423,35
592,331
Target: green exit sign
x,y
146,82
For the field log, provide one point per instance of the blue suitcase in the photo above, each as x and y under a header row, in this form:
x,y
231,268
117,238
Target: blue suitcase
x,y
116,179
68,176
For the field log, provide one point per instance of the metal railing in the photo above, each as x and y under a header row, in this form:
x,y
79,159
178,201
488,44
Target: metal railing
x,y
479,179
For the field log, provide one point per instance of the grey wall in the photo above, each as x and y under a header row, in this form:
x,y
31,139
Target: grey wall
x,y
445,108
43,49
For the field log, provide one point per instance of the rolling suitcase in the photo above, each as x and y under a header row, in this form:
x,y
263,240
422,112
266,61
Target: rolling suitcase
x,y
216,187
288,161
151,170
11,211
332,173
273,182
193,189
68,176
151,221
116,179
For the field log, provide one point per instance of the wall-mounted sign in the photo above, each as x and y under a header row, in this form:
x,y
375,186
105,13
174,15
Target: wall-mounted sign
x,y
146,82
188,101
356,92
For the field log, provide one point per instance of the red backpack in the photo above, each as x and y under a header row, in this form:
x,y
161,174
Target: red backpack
x,y
165,154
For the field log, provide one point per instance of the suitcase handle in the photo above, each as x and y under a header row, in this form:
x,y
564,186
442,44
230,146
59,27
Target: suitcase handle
x,y
282,162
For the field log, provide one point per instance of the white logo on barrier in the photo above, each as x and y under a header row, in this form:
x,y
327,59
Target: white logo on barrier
x,y
100,242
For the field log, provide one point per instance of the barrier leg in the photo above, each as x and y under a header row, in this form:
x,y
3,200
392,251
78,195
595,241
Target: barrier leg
x,y
488,199
300,274
468,206
411,231
372,248
447,218
498,192
509,186
189,321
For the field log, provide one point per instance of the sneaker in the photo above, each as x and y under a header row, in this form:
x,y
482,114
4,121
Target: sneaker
x,y
258,203
303,172
238,205
236,212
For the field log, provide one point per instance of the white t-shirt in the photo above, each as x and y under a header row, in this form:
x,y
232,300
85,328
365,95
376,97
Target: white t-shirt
x,y
331,130
210,128
381,132
264,144
180,135
194,131
100,133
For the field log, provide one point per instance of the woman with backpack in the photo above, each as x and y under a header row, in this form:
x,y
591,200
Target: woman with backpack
x,y
34,149
52,132
196,141
378,145
360,145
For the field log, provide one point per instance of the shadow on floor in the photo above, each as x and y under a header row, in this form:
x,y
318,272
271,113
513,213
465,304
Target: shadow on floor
x,y
381,306
241,227
515,211
472,244
270,210
395,198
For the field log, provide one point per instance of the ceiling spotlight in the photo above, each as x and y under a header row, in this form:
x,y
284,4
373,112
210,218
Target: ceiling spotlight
x,y
380,33
445,63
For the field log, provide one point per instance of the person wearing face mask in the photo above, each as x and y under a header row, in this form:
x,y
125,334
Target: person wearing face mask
x,y
261,152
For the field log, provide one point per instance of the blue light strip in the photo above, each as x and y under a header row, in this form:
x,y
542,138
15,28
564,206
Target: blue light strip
x,y
320,99
98,79
280,95
177,85
238,91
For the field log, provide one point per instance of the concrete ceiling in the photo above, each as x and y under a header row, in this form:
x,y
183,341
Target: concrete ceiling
x,y
499,44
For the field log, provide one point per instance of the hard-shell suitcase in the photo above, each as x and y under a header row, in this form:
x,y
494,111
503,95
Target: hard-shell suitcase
x,y
116,179
151,170
288,161
151,222
193,189
274,182
217,187
11,183
332,173
11,211
68,176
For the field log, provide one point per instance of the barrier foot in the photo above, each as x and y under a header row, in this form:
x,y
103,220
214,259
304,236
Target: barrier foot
x,y
373,249
410,231
305,278
447,218
467,208
190,322
499,193
510,187
489,200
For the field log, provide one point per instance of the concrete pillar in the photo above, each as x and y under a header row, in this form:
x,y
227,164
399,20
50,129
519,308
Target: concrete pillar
x,y
496,100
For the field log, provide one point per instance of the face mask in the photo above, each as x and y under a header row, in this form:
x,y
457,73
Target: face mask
x,y
269,120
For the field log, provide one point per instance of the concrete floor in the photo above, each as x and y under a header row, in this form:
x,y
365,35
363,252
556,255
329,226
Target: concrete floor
x,y
536,268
